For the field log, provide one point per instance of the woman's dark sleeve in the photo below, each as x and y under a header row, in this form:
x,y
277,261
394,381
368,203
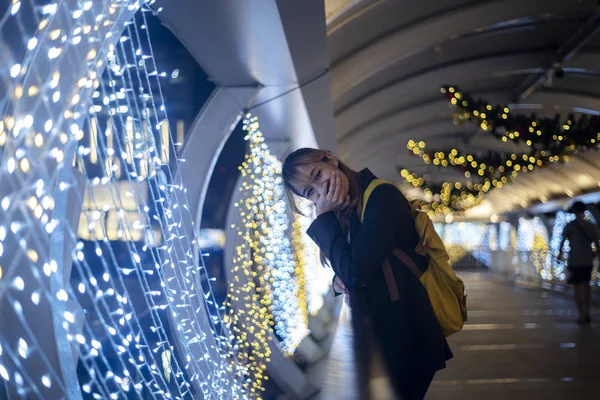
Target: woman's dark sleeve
x,y
356,263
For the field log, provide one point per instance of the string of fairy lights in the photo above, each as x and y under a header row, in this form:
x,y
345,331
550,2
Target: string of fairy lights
x,y
317,278
548,139
267,290
531,247
551,135
485,172
132,312
463,238
160,172
555,268
139,317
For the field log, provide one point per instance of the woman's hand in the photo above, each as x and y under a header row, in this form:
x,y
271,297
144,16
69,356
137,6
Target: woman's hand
x,y
339,286
336,196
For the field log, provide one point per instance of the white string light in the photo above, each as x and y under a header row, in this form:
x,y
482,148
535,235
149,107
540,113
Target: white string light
x,y
531,248
504,236
133,312
461,238
555,268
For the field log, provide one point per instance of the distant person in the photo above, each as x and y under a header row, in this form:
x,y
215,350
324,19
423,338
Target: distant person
x,y
404,328
581,234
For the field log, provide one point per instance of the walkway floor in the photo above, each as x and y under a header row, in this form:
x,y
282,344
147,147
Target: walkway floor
x,y
518,344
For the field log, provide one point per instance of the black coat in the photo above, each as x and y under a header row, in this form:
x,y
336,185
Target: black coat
x,y
408,334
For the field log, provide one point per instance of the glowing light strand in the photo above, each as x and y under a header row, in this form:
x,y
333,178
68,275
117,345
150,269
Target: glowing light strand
x,y
555,268
447,197
159,388
158,200
224,338
531,247
545,134
263,294
317,278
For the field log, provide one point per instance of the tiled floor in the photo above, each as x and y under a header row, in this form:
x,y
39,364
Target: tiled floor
x,y
518,344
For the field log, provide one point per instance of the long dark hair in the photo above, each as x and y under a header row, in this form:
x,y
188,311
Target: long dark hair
x,y
292,178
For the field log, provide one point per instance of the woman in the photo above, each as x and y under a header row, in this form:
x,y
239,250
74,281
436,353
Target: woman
x,y
406,331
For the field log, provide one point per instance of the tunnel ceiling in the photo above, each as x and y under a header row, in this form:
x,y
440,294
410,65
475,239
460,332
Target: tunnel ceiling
x,y
389,59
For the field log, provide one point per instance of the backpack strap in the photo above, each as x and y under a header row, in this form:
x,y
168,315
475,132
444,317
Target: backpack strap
x,y
374,183
388,274
402,256
390,280
422,246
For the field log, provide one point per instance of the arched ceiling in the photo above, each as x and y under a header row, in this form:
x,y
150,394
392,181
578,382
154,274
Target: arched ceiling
x,y
390,57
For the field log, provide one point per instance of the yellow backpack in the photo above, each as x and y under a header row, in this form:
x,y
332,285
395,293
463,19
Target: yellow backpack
x,y
446,291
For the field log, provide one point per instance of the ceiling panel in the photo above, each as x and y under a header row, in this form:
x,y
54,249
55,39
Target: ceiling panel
x,y
389,59
376,19
542,40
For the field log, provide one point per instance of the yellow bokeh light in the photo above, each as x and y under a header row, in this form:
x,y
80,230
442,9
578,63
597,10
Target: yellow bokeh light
x,y
24,165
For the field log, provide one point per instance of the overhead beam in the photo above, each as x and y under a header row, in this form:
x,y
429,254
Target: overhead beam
x,y
396,122
564,53
277,46
402,43
430,79
406,92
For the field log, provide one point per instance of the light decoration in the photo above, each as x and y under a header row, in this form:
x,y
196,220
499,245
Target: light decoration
x,y
264,295
590,217
541,134
525,235
504,236
455,253
485,172
556,269
317,278
299,269
482,253
493,237
493,167
137,315
445,198
462,238
531,247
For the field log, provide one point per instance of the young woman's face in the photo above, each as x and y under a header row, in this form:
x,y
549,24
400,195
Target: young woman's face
x,y
317,178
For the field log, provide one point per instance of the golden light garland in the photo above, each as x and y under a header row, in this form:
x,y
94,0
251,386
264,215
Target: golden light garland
x,y
447,197
317,278
299,269
456,196
455,253
540,133
539,252
506,166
